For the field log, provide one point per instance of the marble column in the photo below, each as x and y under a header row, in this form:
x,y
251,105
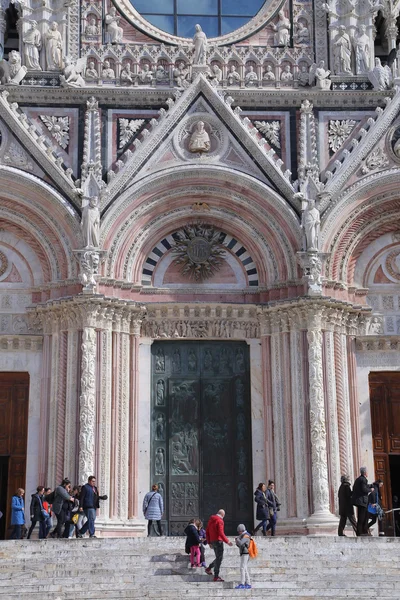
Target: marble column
x,y
319,463
87,405
104,420
133,420
44,409
52,412
354,404
343,404
268,410
71,405
257,413
333,431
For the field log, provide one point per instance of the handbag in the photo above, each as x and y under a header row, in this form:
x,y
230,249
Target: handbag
x,y
372,509
75,518
44,512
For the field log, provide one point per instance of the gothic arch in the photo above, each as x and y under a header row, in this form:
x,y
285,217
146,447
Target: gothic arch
x,y
237,203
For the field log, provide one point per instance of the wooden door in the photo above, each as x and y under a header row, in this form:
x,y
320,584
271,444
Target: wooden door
x,y
14,404
385,417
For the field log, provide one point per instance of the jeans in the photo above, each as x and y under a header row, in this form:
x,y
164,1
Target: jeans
x,y
272,524
16,534
342,523
218,548
263,524
42,529
149,524
244,571
90,514
362,520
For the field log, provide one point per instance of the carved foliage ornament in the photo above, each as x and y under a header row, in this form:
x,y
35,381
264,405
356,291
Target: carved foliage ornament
x,y
127,130
376,160
59,128
338,133
199,251
271,131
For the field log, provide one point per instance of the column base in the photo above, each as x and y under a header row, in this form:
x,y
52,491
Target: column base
x,y
121,528
322,523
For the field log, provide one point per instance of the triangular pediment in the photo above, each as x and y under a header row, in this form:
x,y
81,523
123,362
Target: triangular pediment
x,y
231,141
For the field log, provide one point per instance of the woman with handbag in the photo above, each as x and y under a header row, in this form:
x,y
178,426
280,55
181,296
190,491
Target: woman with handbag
x,y
153,508
375,511
38,513
262,513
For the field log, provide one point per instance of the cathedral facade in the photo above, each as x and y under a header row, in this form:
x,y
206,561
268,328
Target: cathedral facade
x,y
200,253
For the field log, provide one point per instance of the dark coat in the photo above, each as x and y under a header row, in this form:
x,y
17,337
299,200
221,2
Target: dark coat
x,y
262,505
84,498
36,508
375,497
346,508
192,536
361,489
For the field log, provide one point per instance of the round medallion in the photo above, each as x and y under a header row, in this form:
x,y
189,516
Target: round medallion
x,y
199,250
392,264
3,263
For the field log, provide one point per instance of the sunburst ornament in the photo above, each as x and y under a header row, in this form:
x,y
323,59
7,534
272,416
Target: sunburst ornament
x,y
199,251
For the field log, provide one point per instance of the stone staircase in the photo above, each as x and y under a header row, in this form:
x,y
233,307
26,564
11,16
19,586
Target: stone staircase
x,y
301,567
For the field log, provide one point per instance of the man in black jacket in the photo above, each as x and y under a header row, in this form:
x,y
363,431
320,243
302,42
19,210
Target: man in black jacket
x,y
361,489
346,509
89,502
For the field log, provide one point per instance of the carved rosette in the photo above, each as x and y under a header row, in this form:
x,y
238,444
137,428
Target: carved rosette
x,y
87,416
319,460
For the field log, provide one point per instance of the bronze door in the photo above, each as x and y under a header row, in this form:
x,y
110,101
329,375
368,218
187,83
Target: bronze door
x,y
201,432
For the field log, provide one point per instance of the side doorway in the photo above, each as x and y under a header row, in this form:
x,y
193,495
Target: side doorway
x,y
201,432
14,405
385,416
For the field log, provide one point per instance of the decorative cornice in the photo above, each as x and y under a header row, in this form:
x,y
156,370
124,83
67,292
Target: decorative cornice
x,y
378,343
21,343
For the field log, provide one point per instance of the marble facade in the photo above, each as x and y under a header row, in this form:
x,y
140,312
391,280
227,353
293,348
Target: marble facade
x,y
274,157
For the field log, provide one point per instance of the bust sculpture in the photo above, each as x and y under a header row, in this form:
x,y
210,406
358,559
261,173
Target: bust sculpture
x,y
199,140
107,72
287,74
251,77
91,71
233,76
200,46
269,74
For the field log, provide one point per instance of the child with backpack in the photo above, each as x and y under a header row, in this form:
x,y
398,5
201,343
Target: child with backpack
x,y
247,549
193,543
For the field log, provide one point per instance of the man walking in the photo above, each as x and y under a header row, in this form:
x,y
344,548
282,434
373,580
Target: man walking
x,y
361,489
89,502
346,509
216,537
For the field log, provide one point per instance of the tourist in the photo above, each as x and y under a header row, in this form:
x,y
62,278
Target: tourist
x,y
273,506
61,505
375,506
153,508
89,502
243,543
70,524
361,489
37,512
346,509
203,541
216,537
17,514
47,507
193,543
262,513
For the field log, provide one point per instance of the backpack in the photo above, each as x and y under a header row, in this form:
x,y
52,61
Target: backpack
x,y
253,550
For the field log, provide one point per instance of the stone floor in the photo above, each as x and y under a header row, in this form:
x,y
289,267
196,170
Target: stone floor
x,y
304,568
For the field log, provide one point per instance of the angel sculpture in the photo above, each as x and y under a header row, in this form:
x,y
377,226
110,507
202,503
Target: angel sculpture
x,y
380,76
72,73
319,76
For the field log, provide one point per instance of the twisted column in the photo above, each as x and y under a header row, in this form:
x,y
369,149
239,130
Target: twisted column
x,y
87,409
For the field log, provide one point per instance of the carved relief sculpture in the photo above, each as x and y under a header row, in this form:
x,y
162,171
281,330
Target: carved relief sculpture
x,y
32,44
87,410
282,30
72,73
302,33
91,71
269,74
91,28
287,74
200,46
127,77
162,75
380,76
91,224
107,72
215,75
181,76
251,77
199,140
303,77
198,251
53,43
342,53
233,77
145,76
362,50
114,31
11,71
319,76
160,390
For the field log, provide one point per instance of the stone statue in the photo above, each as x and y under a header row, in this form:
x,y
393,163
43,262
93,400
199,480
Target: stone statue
x,y
319,76
181,76
145,76
91,28
380,76
91,71
342,53
91,223
199,140
53,43
32,44
375,326
162,75
89,262
311,225
127,77
107,71
302,33
215,75
361,46
303,77
269,74
233,76
286,74
200,46
282,30
72,73
251,77
113,30
11,71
